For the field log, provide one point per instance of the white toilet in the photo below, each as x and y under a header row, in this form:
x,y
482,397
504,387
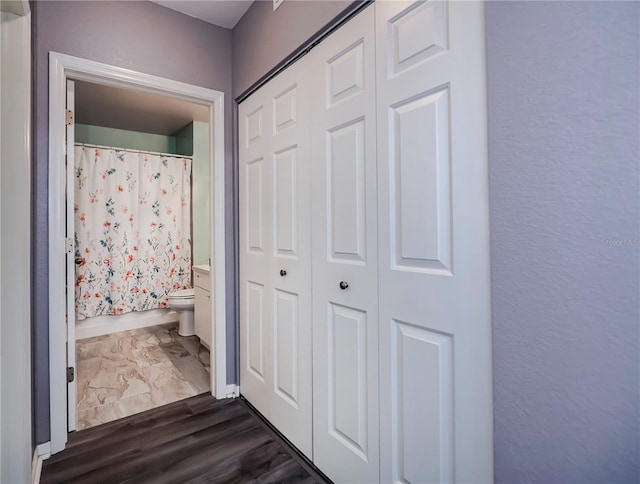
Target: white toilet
x,y
182,302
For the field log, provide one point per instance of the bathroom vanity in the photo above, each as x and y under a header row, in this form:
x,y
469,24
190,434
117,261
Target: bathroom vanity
x,y
202,304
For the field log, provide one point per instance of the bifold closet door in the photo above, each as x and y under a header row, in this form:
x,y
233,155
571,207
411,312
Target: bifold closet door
x,y
275,256
435,315
344,215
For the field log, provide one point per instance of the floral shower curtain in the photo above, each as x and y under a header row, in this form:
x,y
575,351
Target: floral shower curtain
x,y
132,230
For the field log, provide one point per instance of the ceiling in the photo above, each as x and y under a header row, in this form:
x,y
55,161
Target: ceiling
x,y
113,107
224,13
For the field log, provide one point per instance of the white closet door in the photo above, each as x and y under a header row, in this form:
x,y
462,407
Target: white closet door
x,y
275,256
345,336
435,314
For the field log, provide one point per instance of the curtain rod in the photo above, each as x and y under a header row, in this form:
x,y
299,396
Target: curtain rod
x,y
173,155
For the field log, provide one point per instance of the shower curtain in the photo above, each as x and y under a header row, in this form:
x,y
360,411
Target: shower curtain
x,y
132,230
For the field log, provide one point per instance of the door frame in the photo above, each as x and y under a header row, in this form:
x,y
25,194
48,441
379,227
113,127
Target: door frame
x,y
61,67
16,205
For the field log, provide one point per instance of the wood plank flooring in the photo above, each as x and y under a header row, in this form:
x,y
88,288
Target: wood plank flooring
x,y
196,440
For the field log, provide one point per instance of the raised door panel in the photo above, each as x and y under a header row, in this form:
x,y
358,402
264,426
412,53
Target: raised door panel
x,y
286,378
346,220
347,395
254,208
435,342
422,410
420,191
285,192
344,261
345,73
255,330
285,109
415,34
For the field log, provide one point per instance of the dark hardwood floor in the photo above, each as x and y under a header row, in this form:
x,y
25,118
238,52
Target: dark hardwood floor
x,y
200,439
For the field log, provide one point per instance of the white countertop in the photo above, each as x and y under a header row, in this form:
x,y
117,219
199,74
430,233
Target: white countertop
x,y
203,269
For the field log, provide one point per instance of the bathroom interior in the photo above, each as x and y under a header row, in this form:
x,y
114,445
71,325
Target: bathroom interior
x,y
142,251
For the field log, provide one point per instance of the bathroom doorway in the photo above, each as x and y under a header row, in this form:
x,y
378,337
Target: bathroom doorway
x,y
62,69
141,223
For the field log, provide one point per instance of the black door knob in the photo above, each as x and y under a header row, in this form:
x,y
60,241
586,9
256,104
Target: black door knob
x,y
344,285
283,272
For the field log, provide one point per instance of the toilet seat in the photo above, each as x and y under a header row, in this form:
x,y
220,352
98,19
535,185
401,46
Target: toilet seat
x,y
182,294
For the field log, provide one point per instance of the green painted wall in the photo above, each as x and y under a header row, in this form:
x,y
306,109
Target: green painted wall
x,y
194,139
120,138
184,140
202,192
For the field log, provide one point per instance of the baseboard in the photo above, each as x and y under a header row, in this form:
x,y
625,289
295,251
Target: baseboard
x,y
101,325
41,453
233,391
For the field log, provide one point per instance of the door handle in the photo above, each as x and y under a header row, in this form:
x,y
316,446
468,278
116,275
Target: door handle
x,y
283,272
344,285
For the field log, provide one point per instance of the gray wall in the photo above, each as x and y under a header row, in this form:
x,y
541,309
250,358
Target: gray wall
x,y
263,38
144,37
563,136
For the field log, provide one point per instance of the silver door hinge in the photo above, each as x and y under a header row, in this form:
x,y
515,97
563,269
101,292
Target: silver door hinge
x,y
68,245
68,117
71,374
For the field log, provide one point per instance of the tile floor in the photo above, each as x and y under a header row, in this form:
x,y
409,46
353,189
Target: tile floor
x,y
132,371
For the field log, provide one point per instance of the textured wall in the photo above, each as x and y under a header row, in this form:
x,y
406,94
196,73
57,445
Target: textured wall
x,y
263,38
564,130
144,37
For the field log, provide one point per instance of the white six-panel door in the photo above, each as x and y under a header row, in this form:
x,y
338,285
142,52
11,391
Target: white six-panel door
x,y
435,315
275,281
344,214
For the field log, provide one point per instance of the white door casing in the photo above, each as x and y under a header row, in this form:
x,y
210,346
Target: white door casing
x,y
344,215
62,67
435,316
275,256
70,260
15,233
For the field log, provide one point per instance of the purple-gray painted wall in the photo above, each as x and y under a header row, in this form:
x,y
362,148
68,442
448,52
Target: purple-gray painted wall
x,y
263,38
564,146
144,37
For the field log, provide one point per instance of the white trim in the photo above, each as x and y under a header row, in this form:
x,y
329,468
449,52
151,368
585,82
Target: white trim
x,y
62,66
41,453
15,281
233,390
70,137
44,450
217,249
101,325
57,282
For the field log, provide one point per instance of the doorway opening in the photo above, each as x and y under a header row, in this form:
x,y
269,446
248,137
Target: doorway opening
x,y
140,226
62,255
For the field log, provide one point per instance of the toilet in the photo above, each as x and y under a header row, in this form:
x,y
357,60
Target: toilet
x,y
182,302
